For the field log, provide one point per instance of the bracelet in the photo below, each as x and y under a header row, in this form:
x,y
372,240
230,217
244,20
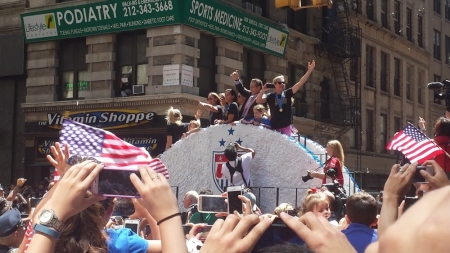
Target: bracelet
x,y
168,218
46,231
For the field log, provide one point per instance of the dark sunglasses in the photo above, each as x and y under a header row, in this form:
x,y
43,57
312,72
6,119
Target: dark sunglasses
x,y
280,82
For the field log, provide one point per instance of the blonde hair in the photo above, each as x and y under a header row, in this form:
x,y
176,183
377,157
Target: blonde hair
x,y
260,108
283,207
195,122
280,77
311,200
173,116
338,151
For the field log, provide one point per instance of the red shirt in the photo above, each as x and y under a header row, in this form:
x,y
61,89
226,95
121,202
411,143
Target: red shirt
x,y
442,159
333,163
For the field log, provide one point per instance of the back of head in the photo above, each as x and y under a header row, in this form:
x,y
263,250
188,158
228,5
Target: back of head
x,y
338,151
173,116
206,192
361,208
442,127
311,200
83,232
230,152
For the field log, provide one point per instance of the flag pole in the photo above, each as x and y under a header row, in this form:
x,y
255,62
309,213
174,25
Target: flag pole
x,y
431,140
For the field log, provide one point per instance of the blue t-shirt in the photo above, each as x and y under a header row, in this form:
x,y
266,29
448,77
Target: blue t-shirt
x,y
360,236
264,120
124,240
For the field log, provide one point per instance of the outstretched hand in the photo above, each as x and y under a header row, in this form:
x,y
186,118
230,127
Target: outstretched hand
x,y
235,75
59,157
311,65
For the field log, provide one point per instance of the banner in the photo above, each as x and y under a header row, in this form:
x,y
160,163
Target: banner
x,y
99,18
218,17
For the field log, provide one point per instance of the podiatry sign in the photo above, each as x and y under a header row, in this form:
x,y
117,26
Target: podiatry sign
x,y
215,16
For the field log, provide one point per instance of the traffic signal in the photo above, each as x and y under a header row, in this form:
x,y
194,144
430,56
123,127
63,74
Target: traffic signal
x,y
297,4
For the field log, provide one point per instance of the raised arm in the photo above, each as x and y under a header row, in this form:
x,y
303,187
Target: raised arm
x,y
262,97
305,77
239,86
12,195
208,106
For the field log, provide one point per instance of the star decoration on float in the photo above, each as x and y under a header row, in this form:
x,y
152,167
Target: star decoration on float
x,y
231,131
222,142
239,141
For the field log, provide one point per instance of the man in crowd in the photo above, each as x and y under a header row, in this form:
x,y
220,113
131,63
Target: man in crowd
x,y
12,231
237,169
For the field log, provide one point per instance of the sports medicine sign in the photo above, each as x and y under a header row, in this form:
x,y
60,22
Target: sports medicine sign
x,y
215,16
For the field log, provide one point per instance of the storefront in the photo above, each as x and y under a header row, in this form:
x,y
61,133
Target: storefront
x,y
142,126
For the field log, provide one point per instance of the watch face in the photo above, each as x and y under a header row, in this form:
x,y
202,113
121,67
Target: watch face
x,y
46,216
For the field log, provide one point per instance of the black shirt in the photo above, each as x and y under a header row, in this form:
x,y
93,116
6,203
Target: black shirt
x,y
6,249
232,109
176,131
280,119
215,115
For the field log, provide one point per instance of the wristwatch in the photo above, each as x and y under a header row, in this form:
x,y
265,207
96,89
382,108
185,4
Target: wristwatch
x,y
48,218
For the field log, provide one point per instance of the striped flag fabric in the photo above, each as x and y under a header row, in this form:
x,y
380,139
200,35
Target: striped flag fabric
x,y
107,148
415,145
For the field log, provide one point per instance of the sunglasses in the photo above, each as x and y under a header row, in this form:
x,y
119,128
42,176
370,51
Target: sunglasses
x,y
280,82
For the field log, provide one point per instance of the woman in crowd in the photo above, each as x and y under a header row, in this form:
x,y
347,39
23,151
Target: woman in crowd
x,y
280,101
336,162
214,107
231,110
175,127
442,139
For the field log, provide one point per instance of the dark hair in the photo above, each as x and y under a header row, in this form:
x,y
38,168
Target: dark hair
x,y
442,127
83,232
257,81
285,248
362,208
233,93
230,152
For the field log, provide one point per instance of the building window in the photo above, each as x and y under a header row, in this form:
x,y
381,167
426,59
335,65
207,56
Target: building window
x,y
258,7
370,9
384,13
397,10
420,31
397,124
447,49
298,20
408,82
437,6
253,66
409,24
206,82
384,72
447,9
383,132
436,91
437,45
132,60
369,130
370,66
419,86
73,69
354,67
397,77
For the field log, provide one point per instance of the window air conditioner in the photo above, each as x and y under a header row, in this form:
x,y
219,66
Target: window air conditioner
x,y
138,89
257,10
248,6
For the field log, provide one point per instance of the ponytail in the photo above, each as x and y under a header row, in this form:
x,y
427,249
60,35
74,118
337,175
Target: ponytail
x,y
173,116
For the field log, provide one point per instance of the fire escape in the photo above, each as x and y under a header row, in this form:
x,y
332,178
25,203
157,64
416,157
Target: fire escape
x,y
339,109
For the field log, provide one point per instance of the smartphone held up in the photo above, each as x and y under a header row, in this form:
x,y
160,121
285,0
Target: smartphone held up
x,y
115,183
234,203
212,204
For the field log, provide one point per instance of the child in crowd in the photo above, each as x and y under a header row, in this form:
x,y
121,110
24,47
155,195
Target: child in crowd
x,y
260,118
194,126
318,203
361,216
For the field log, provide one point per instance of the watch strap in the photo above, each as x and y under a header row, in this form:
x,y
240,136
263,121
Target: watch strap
x,y
47,231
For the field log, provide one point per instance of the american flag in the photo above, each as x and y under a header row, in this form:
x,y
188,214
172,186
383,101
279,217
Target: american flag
x,y
415,145
107,148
